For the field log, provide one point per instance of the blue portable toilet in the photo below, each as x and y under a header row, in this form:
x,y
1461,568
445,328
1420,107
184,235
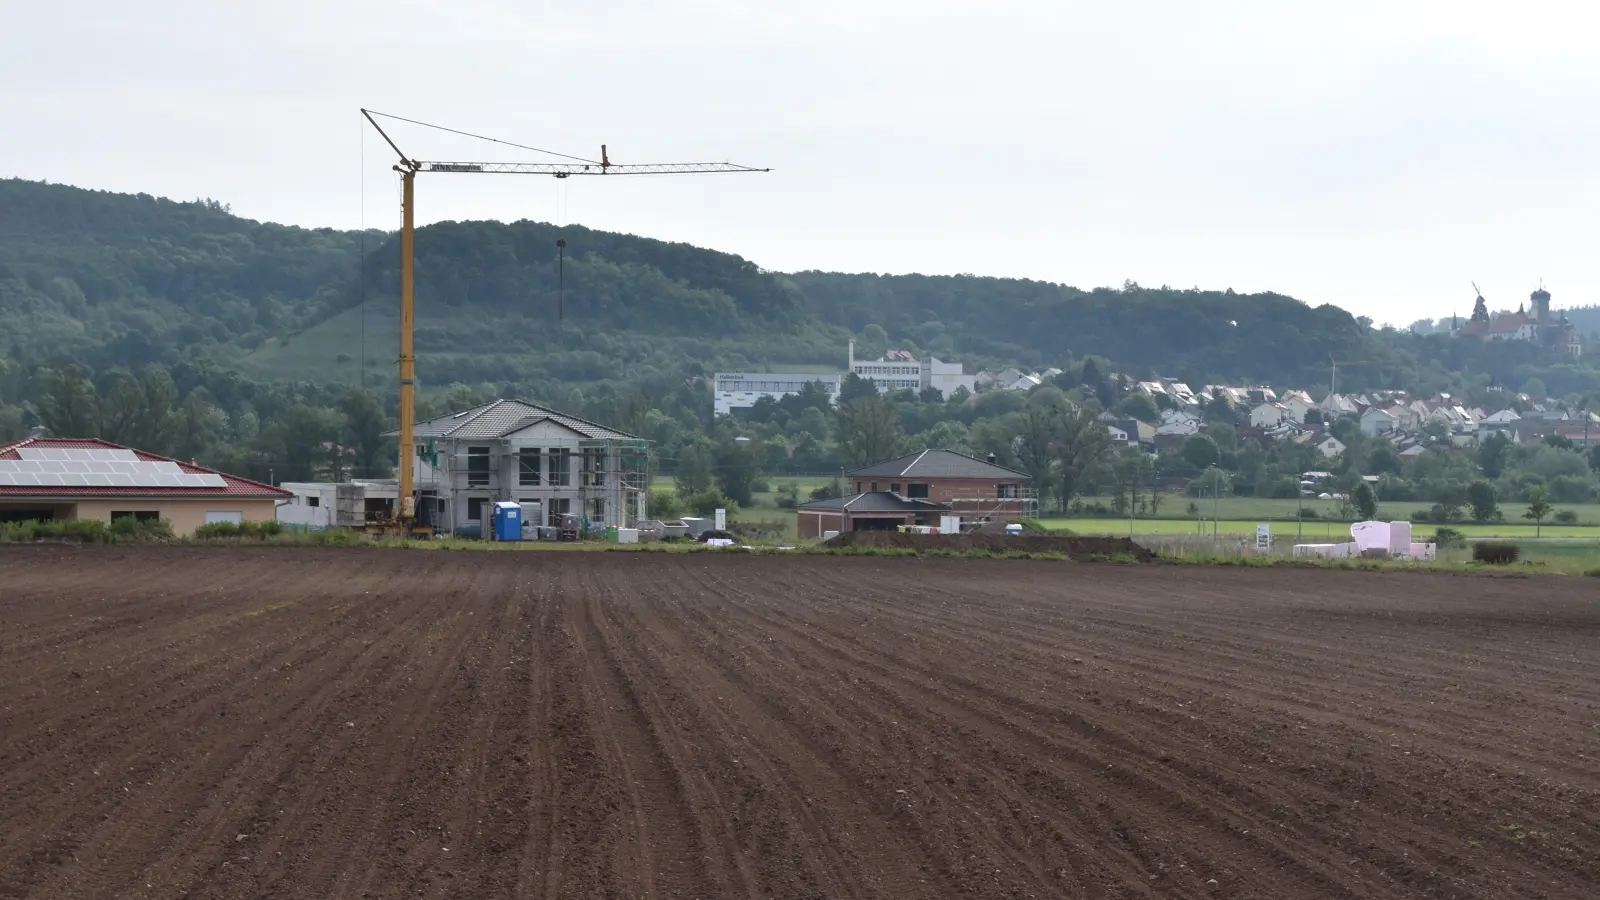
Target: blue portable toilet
x,y
507,521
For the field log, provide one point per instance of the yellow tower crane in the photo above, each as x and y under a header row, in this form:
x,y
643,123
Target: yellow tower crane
x,y
408,169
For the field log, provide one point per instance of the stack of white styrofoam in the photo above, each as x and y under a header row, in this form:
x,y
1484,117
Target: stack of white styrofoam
x,y
1394,538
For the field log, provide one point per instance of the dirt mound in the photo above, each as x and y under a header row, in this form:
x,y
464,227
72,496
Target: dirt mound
x,y
1083,548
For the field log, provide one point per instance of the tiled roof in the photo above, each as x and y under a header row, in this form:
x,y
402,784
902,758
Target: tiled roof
x,y
876,501
235,486
502,417
938,464
1508,324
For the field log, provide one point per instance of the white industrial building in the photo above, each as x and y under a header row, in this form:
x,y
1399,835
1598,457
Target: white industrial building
x,y
741,390
900,371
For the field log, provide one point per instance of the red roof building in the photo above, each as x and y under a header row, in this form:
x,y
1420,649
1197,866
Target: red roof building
x,y
76,478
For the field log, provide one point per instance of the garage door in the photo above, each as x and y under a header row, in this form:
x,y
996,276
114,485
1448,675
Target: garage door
x,y
233,516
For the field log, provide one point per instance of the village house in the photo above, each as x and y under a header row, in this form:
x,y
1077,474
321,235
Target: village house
x,y
1269,415
1299,404
1377,421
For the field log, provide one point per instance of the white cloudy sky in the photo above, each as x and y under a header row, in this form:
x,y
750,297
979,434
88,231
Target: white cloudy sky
x,y
1376,155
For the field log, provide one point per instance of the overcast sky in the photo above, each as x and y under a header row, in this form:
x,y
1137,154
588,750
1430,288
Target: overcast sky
x,y
1375,155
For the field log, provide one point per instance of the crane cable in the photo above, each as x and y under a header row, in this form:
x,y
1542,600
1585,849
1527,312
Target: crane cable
x,y
561,249
485,138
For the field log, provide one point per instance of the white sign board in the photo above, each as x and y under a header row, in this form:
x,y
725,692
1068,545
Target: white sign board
x,y
722,520
1263,538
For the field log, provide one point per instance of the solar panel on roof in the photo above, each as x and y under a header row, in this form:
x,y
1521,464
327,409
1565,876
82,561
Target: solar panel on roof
x,y
111,469
63,454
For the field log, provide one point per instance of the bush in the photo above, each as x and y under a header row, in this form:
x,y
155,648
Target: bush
x,y
1421,515
1080,508
826,492
1497,553
1443,513
1565,517
664,505
1310,514
708,502
1449,538
88,531
760,486
253,531
788,496
1570,489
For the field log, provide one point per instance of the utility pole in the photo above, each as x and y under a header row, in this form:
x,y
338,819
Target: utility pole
x,y
1216,491
1299,511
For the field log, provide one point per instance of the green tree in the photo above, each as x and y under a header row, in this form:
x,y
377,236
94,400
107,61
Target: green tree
x,y
295,444
1383,459
869,430
1038,433
1140,406
1226,436
1539,507
1481,497
1200,451
197,427
947,435
71,408
1084,444
1365,500
854,388
736,463
1448,498
364,426
11,424
664,505
693,473
1492,454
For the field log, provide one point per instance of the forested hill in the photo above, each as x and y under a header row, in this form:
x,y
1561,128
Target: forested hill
x,y
109,280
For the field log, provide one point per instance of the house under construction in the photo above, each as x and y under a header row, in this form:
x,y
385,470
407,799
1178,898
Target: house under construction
x,y
554,463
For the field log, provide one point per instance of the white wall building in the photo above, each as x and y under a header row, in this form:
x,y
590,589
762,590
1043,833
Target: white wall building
x,y
741,390
1269,415
1376,421
899,371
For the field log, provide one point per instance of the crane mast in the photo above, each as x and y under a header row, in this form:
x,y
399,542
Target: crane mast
x,y
409,169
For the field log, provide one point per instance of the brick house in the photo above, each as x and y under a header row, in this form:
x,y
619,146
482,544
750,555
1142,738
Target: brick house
x,y
871,511
974,489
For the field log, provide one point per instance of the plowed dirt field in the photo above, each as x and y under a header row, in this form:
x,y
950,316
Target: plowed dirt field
x,y
298,723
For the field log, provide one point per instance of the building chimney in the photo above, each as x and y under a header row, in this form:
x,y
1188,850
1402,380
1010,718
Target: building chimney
x,y
851,365
992,459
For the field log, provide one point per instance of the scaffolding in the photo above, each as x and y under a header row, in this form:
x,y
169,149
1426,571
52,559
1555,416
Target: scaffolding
x,y
615,473
979,511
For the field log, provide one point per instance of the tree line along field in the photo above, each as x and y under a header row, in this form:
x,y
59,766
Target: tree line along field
x,y
301,722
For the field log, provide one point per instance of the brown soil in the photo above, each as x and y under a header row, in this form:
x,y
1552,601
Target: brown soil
x,y
303,723
1082,548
